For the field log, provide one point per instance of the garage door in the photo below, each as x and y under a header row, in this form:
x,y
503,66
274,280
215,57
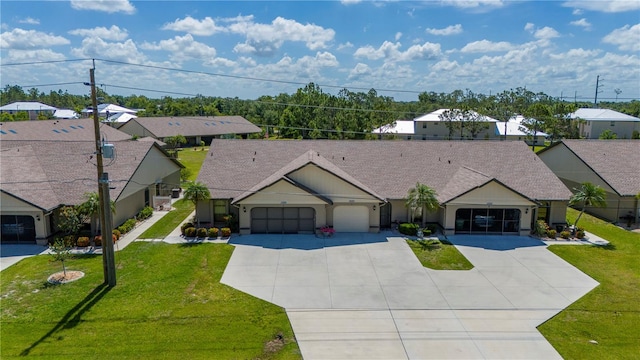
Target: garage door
x,y
351,219
279,220
18,229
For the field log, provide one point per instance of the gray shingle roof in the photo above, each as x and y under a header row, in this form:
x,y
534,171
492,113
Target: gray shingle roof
x,y
161,127
51,173
387,168
616,161
58,130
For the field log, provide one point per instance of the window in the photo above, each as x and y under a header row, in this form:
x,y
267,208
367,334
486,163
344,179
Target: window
x,y
613,123
219,210
424,125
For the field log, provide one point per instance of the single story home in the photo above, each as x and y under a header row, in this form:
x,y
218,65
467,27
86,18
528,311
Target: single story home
x,y
105,110
33,109
614,165
193,128
402,129
597,121
298,186
515,130
65,114
58,130
40,177
432,126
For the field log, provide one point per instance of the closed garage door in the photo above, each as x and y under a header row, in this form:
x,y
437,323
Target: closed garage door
x,y
351,219
18,229
279,220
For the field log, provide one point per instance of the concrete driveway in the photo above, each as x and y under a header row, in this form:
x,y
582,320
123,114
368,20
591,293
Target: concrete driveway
x,y
366,296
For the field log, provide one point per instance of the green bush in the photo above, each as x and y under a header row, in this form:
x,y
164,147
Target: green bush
x,y
226,232
551,233
433,228
190,232
117,233
408,229
426,232
201,232
145,213
83,241
541,228
185,226
580,234
565,234
213,232
69,240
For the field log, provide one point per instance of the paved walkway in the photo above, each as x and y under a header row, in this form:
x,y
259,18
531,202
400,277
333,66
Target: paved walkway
x,y
366,296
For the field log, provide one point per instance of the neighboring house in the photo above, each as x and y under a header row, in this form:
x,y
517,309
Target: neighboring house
x,y
515,130
597,121
33,108
58,130
613,165
484,187
38,178
431,127
193,128
402,129
65,114
118,119
105,110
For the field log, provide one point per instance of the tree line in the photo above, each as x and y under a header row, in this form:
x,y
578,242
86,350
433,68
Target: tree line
x,y
312,113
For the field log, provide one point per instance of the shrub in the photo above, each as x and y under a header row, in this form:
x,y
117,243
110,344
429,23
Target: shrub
x,y
113,236
551,233
117,233
145,213
408,229
97,241
213,232
201,232
432,228
69,240
542,228
83,241
565,234
226,232
426,232
190,232
185,226
580,234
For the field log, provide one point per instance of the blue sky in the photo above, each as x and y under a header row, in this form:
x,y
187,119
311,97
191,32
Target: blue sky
x,y
399,48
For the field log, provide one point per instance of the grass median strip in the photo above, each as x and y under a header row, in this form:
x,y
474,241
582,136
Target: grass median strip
x,y
168,303
439,255
163,227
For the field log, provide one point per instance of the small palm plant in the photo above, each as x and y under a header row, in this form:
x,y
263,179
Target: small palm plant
x,y
588,194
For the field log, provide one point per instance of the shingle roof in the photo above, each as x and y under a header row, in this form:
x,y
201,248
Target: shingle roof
x,y
57,130
602,115
616,161
162,127
27,106
49,173
387,168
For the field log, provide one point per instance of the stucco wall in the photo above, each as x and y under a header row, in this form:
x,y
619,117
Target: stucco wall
x,y
439,130
623,129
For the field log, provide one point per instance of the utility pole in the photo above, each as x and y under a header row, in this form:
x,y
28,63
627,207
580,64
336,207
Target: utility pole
x,y
108,259
598,86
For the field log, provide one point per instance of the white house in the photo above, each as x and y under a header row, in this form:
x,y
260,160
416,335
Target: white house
x,y
597,121
33,108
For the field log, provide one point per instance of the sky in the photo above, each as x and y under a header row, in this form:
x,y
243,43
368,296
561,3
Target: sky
x,y
247,49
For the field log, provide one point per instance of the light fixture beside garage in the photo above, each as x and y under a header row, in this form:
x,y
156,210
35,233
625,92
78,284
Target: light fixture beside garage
x,y
244,209
374,208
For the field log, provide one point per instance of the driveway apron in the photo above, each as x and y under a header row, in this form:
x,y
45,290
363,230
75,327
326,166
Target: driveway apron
x,y
366,296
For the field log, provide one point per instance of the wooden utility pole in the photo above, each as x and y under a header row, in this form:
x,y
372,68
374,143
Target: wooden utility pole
x,y
108,259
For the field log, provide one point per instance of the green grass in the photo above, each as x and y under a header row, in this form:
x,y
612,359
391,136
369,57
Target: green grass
x,y
610,314
163,227
168,304
192,159
438,255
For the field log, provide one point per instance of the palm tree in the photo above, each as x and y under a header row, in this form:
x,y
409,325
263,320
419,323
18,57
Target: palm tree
x,y
588,195
195,192
424,197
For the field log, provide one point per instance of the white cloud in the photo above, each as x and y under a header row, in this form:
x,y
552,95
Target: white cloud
x,y
582,23
217,62
398,36
183,48
467,4
266,39
350,2
346,45
359,71
33,55
391,53
204,27
546,33
30,21
609,6
484,46
113,33
627,38
529,27
575,54
108,6
449,30
577,12
94,47
29,39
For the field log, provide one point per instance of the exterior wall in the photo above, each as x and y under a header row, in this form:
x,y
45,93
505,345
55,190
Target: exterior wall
x,y
128,207
438,130
155,168
623,129
558,212
132,127
399,213
335,188
15,206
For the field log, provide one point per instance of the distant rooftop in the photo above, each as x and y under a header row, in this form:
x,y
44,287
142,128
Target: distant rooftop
x,y
435,116
602,115
27,106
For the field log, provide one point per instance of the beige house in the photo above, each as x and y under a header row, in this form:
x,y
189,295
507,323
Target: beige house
x,y
613,165
484,187
193,128
38,178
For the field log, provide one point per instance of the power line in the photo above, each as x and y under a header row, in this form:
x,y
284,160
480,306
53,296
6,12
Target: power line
x,y
43,62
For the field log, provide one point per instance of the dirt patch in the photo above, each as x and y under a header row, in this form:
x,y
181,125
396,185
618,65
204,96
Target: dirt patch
x,y
274,345
61,278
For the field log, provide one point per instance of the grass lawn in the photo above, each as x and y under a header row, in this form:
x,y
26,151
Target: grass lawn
x,y
192,159
168,304
610,314
438,255
163,227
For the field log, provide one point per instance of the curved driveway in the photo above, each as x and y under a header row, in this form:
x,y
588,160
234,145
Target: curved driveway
x,y
366,296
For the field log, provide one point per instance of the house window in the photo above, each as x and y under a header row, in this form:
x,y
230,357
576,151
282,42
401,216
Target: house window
x,y
436,123
424,137
424,125
219,209
409,137
613,123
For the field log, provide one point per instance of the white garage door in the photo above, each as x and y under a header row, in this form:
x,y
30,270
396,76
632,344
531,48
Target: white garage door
x,y
351,219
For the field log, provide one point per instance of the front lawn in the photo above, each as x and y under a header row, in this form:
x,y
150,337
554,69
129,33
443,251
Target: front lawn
x,y
165,225
439,255
168,304
610,314
192,159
